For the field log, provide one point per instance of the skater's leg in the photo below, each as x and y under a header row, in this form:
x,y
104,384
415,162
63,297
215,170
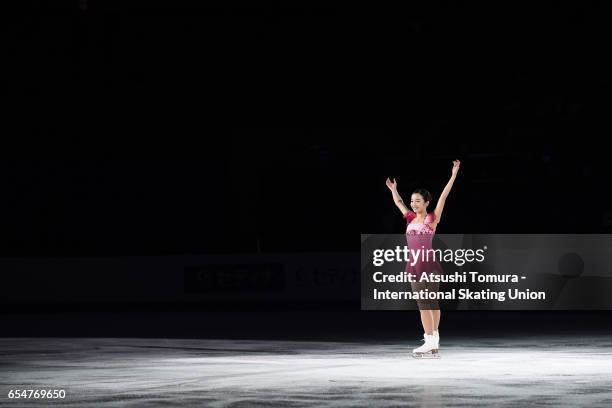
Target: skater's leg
x,y
436,318
430,318
427,321
434,305
424,308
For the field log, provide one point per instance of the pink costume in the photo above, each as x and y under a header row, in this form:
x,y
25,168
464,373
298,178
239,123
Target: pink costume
x,y
420,236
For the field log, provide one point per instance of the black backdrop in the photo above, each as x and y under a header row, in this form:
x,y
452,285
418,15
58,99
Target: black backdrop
x,y
150,128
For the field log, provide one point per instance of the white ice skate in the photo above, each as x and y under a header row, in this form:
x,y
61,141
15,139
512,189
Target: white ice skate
x,y
427,350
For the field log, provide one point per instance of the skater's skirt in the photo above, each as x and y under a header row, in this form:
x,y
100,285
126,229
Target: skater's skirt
x,y
421,242
431,267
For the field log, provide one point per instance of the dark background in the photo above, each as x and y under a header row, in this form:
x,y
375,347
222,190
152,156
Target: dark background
x,y
174,128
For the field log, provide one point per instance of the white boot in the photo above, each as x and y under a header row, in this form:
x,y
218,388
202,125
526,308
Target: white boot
x,y
427,350
436,335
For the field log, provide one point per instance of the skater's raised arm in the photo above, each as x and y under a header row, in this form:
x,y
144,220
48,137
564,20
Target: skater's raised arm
x,y
397,199
446,191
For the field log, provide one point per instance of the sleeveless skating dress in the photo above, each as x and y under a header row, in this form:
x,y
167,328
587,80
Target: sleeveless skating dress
x,y
420,236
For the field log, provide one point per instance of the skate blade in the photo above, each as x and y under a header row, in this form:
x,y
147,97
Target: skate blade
x,y
429,354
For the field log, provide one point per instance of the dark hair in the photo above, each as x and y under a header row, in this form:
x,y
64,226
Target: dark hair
x,y
426,194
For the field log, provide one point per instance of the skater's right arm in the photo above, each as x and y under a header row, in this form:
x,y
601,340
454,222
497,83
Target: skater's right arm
x,y
397,199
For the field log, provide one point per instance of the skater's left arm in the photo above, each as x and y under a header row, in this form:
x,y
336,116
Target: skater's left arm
x,y
446,191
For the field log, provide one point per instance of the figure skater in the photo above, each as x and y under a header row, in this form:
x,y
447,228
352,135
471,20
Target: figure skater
x,y
419,234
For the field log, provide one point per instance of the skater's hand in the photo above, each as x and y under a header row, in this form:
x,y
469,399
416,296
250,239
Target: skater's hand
x,y
391,184
456,164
